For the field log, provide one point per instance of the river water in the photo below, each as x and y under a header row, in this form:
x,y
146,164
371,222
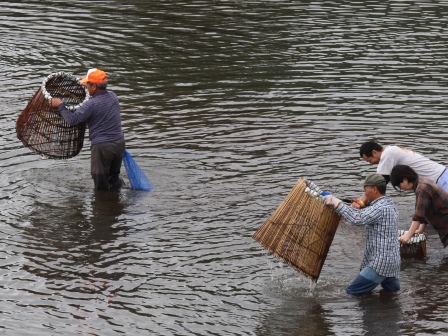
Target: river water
x,y
225,104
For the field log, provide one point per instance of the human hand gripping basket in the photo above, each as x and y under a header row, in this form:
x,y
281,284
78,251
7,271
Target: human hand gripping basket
x,y
415,247
301,230
41,127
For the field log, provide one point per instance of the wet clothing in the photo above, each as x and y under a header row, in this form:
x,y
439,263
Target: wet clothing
x,y
394,155
431,207
368,280
105,164
102,114
382,247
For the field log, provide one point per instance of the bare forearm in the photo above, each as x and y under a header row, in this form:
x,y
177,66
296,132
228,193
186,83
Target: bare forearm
x,y
421,228
414,227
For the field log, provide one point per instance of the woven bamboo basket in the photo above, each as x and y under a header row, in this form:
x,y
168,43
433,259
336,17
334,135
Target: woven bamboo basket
x,y
415,247
300,231
41,127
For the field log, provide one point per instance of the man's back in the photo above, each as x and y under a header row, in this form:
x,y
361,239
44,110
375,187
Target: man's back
x,y
395,155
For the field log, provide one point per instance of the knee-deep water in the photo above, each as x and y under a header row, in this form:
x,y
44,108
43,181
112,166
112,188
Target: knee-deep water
x,y
225,104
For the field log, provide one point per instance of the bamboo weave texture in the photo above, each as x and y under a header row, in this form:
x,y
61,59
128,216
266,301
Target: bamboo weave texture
x,y
300,231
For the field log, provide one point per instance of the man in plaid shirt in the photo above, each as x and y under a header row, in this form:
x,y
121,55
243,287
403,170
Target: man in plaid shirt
x,y
381,261
431,204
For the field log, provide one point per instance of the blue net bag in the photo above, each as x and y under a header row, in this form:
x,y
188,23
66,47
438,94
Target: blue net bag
x,y
137,177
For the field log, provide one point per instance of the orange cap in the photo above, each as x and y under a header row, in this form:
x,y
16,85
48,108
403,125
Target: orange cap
x,y
96,76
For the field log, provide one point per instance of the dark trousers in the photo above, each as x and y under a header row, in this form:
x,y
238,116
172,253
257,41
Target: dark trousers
x,y
105,164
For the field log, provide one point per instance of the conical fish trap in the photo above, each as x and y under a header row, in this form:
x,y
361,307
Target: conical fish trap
x,y
300,231
41,127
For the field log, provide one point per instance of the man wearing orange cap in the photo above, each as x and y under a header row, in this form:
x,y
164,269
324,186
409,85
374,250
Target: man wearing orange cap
x,y
102,115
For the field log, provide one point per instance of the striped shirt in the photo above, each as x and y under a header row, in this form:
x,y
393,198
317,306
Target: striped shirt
x,y
102,114
431,207
382,247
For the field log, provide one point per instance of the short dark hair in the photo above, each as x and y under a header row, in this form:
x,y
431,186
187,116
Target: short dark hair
x,y
102,86
401,172
369,146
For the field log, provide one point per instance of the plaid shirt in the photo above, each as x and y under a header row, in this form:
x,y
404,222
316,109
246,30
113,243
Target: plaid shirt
x,y
382,248
431,207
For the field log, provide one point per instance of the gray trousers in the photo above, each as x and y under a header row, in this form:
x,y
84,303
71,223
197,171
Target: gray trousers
x,y
105,164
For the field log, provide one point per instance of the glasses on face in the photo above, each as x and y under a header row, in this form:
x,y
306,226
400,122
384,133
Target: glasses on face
x,y
398,187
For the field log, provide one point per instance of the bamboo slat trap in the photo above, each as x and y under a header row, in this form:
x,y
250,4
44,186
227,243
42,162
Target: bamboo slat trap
x,y
300,231
41,127
415,247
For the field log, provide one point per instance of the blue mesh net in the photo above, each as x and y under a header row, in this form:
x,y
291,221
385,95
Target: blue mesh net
x,y
137,178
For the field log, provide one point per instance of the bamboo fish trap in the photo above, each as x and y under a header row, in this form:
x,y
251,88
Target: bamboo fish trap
x,y
41,127
301,230
415,247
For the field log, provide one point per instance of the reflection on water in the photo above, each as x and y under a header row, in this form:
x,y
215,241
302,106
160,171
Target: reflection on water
x,y
225,105
65,245
297,317
381,314
323,313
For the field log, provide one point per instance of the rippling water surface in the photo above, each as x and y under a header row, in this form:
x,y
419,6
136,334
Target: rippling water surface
x,y
225,104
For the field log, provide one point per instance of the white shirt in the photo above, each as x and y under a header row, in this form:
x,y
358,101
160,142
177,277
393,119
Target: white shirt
x,y
394,155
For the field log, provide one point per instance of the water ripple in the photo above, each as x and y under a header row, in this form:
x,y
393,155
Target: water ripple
x,y
225,105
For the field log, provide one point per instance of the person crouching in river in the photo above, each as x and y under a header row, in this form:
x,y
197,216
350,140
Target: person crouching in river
x,y
381,261
431,205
